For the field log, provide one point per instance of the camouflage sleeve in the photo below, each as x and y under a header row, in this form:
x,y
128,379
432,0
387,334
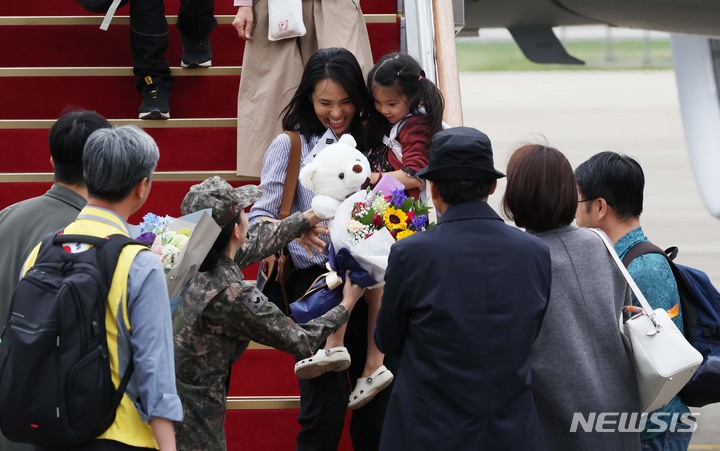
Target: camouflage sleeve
x,y
267,237
264,323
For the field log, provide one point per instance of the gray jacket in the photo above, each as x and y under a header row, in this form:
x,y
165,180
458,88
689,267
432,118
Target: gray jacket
x,y
23,225
579,360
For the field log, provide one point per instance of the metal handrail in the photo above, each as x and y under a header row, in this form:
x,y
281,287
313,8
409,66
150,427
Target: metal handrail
x,y
448,77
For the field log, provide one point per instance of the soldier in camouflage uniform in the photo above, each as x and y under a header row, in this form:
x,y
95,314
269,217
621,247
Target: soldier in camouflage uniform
x,y
219,313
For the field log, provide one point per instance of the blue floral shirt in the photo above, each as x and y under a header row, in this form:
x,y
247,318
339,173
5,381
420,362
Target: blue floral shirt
x,y
653,276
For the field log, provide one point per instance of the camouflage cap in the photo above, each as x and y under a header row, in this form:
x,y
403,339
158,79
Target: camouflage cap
x,y
225,201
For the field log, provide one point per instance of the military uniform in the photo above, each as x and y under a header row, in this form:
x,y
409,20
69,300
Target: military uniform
x,y
216,320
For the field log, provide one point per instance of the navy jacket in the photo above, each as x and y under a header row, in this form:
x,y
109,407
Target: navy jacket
x,y
462,306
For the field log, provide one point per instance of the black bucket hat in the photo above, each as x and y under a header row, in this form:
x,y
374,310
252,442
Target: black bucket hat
x,y
460,153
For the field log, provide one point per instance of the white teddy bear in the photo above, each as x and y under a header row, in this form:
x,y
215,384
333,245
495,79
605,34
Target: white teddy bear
x,y
337,171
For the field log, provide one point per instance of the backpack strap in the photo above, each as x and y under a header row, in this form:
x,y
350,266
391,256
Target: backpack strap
x,y
642,248
109,249
108,255
291,175
120,392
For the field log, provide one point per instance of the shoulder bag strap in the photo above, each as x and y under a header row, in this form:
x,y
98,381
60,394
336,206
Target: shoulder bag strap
x,y
638,294
291,175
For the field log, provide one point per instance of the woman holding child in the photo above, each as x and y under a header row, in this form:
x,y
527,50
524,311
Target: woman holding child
x,y
331,100
408,112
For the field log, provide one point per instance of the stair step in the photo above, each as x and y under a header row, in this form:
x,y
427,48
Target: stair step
x,y
265,372
112,71
165,199
178,147
68,7
258,421
72,8
384,38
125,20
76,45
29,124
86,45
115,96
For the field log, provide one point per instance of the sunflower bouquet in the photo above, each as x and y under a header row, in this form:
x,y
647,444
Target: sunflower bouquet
x,y
370,221
400,214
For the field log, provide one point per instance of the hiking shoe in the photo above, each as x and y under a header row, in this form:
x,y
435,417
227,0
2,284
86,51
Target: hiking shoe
x,y
196,53
155,100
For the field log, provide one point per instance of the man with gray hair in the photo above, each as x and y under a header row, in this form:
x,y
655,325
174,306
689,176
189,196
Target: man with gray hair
x,y
118,166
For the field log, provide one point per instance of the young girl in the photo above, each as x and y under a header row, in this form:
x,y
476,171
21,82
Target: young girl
x,y
409,110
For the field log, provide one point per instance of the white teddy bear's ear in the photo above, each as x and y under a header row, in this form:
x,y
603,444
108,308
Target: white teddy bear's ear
x,y
306,176
348,140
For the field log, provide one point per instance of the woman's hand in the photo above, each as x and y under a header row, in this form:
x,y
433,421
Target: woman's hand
x,y
310,240
244,22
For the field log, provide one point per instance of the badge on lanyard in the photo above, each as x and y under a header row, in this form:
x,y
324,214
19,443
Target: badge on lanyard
x,y
328,138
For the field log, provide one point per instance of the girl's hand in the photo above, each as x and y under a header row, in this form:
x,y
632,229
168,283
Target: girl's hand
x,y
244,22
310,240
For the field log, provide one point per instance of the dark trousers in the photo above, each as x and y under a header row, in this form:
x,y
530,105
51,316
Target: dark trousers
x,y
149,34
323,400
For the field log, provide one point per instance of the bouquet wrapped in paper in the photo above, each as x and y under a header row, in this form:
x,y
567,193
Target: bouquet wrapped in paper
x,y
364,228
181,244
369,222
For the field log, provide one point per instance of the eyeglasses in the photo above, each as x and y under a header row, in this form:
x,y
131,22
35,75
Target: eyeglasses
x,y
587,200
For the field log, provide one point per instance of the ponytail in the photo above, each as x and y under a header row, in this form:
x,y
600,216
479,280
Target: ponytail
x,y
219,246
405,74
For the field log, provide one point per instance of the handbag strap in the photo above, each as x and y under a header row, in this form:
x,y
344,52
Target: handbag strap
x,y
638,294
291,175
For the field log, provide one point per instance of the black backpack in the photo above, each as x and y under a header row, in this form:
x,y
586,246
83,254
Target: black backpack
x,y
700,307
56,387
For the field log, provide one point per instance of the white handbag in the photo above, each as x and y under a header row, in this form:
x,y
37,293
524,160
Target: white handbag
x,y
664,360
286,19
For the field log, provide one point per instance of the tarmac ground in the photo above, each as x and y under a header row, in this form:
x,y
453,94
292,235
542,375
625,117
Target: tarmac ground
x,y
583,113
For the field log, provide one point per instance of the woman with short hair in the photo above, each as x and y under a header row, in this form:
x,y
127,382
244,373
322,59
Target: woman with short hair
x,y
580,365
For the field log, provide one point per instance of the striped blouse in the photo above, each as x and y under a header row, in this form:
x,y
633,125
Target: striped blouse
x,y
272,181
